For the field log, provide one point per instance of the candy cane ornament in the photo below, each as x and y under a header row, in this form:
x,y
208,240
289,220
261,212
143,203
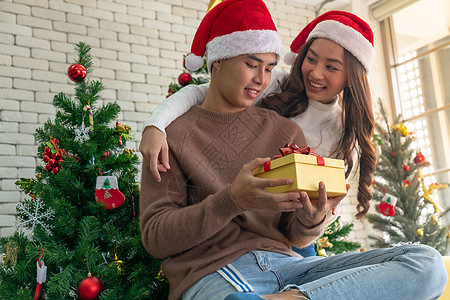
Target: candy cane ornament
x,y
88,108
41,276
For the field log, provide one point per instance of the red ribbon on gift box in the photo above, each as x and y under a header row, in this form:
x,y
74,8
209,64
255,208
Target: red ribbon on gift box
x,y
293,148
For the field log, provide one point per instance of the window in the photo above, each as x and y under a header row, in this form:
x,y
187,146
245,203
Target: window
x,y
416,40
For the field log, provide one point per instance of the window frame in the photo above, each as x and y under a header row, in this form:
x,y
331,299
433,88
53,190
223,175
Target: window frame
x,y
384,15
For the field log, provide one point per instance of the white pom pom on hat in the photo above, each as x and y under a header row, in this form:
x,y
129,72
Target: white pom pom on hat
x,y
289,58
193,62
345,29
233,28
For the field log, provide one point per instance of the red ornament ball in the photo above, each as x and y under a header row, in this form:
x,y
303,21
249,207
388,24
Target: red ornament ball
x,y
184,79
419,158
406,168
89,288
76,72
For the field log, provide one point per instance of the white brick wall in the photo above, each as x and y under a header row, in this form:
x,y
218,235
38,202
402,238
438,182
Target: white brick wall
x,y
137,47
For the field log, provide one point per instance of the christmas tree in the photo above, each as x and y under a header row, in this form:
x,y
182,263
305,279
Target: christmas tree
x,y
82,208
189,77
334,239
407,210
192,77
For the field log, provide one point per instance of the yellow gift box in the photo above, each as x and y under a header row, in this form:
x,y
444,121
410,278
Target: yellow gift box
x,y
306,171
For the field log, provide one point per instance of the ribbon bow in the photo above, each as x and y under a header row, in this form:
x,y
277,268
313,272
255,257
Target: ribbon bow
x,y
52,144
293,148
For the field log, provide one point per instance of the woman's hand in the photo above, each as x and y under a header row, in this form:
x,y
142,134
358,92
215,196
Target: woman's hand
x,y
153,144
249,191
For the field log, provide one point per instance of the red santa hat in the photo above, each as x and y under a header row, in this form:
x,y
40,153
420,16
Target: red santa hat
x,y
341,27
232,28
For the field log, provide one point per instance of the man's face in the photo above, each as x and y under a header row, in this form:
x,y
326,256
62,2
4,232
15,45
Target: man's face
x,y
240,80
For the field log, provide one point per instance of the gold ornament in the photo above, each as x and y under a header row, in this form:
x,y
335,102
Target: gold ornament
x,y
161,276
427,191
401,128
434,220
129,151
39,175
123,128
448,235
419,232
322,252
324,243
12,250
120,265
321,244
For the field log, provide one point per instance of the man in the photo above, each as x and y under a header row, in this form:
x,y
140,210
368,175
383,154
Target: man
x,y
209,210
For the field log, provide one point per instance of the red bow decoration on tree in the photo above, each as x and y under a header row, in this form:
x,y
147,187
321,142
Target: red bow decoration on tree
x,y
53,156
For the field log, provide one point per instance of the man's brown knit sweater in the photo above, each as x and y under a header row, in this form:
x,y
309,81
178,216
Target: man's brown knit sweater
x,y
190,216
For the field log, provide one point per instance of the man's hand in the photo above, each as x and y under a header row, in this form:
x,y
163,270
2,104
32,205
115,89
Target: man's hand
x,y
313,212
153,144
249,191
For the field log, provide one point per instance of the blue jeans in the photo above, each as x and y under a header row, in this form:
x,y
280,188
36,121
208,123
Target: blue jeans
x,y
309,250
402,272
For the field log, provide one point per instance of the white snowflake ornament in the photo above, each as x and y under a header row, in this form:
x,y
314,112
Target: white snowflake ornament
x,y
32,213
82,133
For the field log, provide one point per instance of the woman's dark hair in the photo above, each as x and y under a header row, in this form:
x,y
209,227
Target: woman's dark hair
x,y
357,118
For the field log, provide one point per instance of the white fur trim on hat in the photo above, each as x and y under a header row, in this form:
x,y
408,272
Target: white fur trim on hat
x,y
348,38
243,42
